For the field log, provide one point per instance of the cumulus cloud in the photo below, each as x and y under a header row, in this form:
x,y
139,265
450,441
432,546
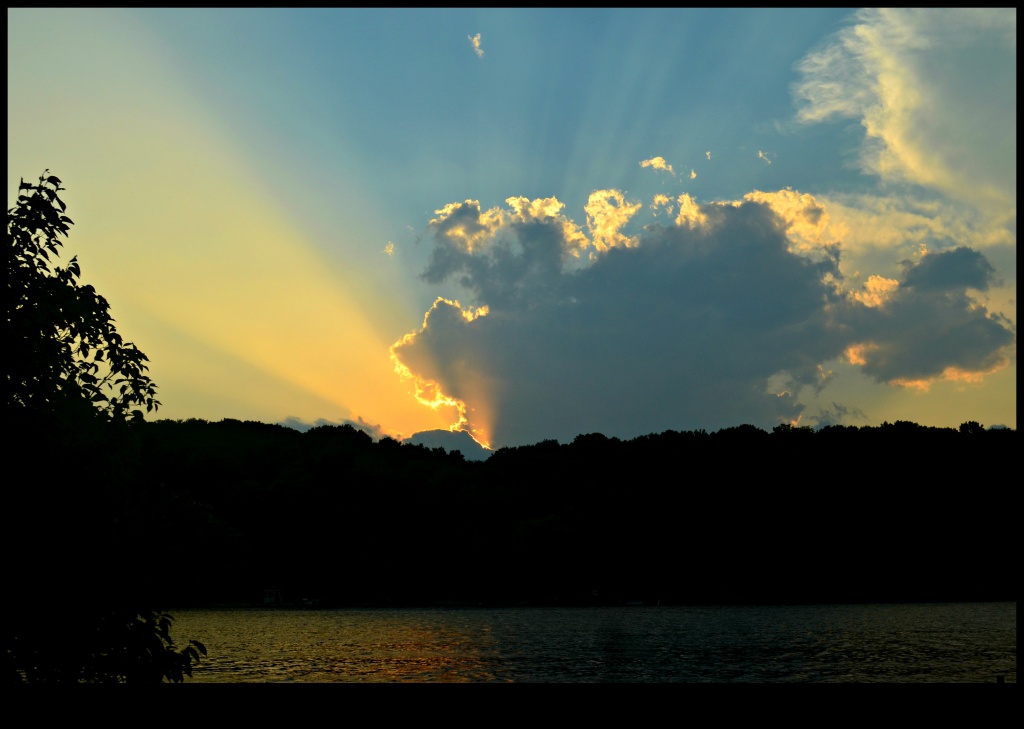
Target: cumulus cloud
x,y
720,317
959,268
928,327
806,220
475,40
876,291
505,256
607,214
678,314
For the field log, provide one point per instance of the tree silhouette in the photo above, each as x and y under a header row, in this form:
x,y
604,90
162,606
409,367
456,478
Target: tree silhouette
x,y
65,352
73,393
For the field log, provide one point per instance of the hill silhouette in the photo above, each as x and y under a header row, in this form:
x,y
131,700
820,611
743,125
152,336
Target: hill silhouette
x,y
449,440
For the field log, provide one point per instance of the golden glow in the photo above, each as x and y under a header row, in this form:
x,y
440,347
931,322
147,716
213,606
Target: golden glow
x,y
239,313
480,436
249,285
690,213
539,209
808,225
431,394
475,40
877,291
247,313
425,391
607,212
855,353
662,204
922,385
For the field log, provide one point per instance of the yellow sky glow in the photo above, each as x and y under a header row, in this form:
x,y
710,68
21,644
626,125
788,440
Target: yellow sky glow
x,y
194,245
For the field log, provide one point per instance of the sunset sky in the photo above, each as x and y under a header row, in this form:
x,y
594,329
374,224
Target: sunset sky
x,y
530,223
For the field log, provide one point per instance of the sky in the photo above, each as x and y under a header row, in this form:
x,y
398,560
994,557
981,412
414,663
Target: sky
x,y
529,224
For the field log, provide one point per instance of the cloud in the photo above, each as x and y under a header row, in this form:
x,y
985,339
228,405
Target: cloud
x,y
658,163
679,314
877,290
929,328
934,92
723,316
475,40
807,222
957,269
915,79
607,213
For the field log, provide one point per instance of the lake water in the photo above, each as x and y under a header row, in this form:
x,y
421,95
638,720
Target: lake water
x,y
889,643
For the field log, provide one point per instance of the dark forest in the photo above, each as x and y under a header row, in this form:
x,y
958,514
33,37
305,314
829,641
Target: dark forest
x,y
197,513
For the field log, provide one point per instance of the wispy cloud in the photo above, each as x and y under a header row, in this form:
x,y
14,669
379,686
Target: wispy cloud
x,y
910,77
475,40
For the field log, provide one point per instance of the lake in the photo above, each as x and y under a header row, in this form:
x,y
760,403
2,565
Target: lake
x,y
880,643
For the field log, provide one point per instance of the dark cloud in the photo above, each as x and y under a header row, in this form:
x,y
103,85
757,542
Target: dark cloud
x,y
931,323
707,326
949,270
523,261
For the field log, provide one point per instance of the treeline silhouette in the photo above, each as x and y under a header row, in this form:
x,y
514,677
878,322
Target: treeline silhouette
x,y
894,513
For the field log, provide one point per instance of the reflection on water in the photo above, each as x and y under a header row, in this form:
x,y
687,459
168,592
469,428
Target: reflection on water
x,y
955,642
